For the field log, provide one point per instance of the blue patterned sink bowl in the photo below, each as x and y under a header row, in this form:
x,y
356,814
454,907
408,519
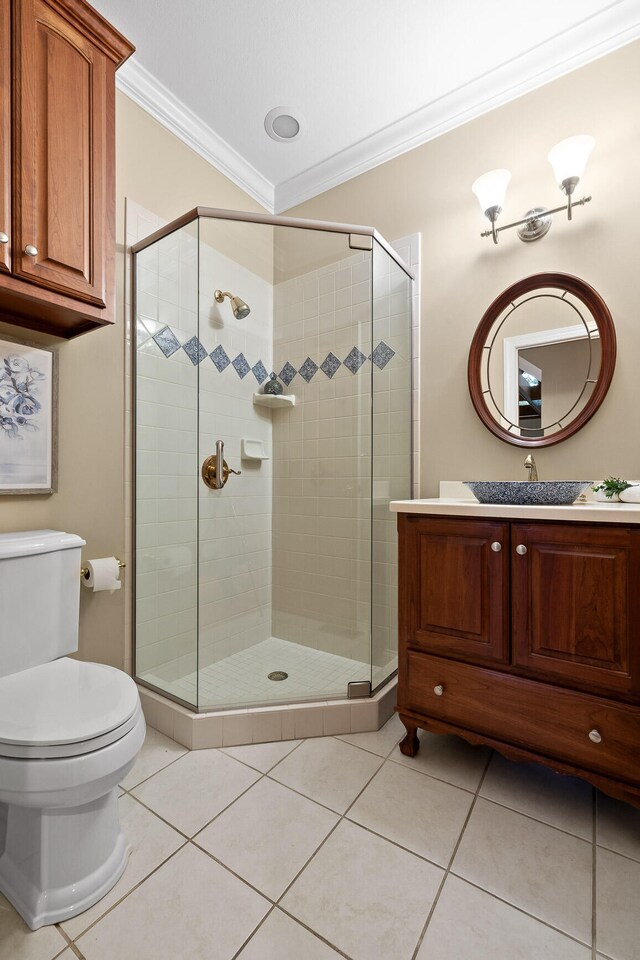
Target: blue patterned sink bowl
x,y
532,493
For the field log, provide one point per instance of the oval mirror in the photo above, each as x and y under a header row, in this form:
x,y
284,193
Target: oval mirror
x,y
542,359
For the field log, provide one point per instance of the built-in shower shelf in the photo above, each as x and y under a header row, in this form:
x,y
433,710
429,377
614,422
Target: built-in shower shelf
x,y
274,400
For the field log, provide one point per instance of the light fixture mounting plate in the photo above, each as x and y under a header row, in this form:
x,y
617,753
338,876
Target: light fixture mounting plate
x,y
537,225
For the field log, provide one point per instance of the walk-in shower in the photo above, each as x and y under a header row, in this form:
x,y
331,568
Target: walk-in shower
x,y
265,554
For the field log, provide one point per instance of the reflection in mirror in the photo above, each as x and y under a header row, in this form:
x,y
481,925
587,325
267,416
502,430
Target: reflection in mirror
x,y
540,357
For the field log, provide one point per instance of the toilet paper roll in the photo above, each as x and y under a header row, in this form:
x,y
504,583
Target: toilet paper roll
x,y
103,575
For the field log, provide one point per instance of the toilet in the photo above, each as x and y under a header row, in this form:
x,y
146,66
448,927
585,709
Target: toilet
x,y
69,732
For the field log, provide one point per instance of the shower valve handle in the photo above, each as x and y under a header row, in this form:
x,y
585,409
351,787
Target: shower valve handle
x,y
216,470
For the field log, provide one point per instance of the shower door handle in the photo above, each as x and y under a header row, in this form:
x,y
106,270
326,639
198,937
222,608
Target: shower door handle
x,y
219,464
216,470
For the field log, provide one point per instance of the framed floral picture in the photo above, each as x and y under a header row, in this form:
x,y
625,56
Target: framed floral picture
x,y
28,415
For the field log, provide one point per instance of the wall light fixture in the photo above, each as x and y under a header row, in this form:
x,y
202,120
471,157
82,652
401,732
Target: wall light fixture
x,y
568,160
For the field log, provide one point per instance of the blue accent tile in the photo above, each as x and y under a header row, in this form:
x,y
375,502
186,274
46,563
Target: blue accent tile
x,y
220,359
382,354
287,373
167,341
308,370
330,364
241,366
259,371
194,350
354,360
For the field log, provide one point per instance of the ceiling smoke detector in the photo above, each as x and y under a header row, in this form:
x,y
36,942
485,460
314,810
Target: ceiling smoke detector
x,y
281,124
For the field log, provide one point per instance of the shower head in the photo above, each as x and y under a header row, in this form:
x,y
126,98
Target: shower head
x,y
239,307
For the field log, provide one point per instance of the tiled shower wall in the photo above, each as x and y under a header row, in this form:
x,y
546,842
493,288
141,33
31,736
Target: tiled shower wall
x,y
195,385
323,514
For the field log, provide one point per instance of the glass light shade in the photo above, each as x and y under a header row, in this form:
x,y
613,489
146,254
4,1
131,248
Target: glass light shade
x,y
569,157
490,188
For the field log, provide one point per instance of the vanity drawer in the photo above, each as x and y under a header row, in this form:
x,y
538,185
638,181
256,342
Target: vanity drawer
x,y
548,720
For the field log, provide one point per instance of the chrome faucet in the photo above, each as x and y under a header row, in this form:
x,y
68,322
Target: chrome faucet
x,y
530,464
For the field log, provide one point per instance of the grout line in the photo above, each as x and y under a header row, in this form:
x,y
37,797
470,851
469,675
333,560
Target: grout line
x,y
451,859
169,764
245,763
128,893
529,816
514,906
76,950
618,853
253,932
315,933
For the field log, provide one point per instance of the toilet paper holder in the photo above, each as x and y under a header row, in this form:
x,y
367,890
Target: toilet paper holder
x,y
84,571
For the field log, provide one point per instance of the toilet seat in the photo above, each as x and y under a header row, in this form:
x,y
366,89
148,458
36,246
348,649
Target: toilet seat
x,y
65,708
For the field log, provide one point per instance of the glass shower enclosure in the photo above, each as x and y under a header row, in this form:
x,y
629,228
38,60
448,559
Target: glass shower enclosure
x,y
265,553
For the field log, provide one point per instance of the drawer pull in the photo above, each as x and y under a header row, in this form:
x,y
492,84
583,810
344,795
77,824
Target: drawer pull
x,y
30,250
496,546
521,549
4,237
595,736
438,689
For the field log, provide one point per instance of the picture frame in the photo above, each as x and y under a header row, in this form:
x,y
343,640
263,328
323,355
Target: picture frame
x,y
28,418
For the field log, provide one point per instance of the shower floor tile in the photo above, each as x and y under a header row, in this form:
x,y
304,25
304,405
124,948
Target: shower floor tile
x,y
242,678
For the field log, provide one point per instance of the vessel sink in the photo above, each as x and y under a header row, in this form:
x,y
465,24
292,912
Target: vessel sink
x,y
547,493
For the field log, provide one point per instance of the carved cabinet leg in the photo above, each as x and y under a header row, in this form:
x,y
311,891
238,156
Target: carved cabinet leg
x,y
410,745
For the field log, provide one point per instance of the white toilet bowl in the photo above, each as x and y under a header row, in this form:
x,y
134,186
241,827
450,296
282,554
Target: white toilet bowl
x,y
69,733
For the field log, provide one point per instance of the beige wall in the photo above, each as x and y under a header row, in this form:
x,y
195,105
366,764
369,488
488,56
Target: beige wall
x,y
165,176
429,190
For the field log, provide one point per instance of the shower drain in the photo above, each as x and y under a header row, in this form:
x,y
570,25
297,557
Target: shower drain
x,y
277,675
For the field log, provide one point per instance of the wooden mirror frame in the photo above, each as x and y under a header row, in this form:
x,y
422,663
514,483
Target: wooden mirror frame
x,y
600,313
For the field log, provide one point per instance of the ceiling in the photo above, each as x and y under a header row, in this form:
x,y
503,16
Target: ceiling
x,y
368,79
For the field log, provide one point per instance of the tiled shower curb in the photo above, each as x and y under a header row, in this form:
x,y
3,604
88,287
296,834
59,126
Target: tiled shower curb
x,y
230,728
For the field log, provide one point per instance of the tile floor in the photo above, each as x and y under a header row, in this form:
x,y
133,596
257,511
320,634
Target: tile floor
x,y
341,847
241,679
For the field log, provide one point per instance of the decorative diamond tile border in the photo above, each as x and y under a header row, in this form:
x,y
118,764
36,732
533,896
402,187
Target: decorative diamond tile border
x,y
308,370
382,354
167,341
354,360
259,371
287,373
194,350
220,359
169,344
330,365
241,366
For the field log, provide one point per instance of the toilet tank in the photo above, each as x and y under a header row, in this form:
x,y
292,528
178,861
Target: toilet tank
x,y
39,597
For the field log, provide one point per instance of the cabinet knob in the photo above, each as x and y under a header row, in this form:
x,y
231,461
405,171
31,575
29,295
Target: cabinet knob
x,y
595,736
30,250
4,238
521,549
496,546
438,689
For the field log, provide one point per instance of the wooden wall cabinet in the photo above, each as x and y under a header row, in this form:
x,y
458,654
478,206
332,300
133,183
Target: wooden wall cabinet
x,y
526,637
57,207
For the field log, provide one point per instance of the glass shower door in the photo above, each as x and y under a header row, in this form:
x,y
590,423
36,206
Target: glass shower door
x,y
165,451
285,541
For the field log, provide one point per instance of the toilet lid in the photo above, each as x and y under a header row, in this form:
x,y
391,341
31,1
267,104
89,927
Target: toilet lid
x,y
64,702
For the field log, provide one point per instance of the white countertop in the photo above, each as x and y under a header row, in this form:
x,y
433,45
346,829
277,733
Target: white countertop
x,y
590,512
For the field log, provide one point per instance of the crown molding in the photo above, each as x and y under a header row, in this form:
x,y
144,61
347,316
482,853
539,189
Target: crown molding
x,y
600,34
143,88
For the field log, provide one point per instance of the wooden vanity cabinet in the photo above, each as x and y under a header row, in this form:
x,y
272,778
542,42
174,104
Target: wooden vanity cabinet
x,y
525,637
58,201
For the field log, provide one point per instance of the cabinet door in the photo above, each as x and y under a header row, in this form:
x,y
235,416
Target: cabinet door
x,y
454,587
576,607
5,136
61,154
